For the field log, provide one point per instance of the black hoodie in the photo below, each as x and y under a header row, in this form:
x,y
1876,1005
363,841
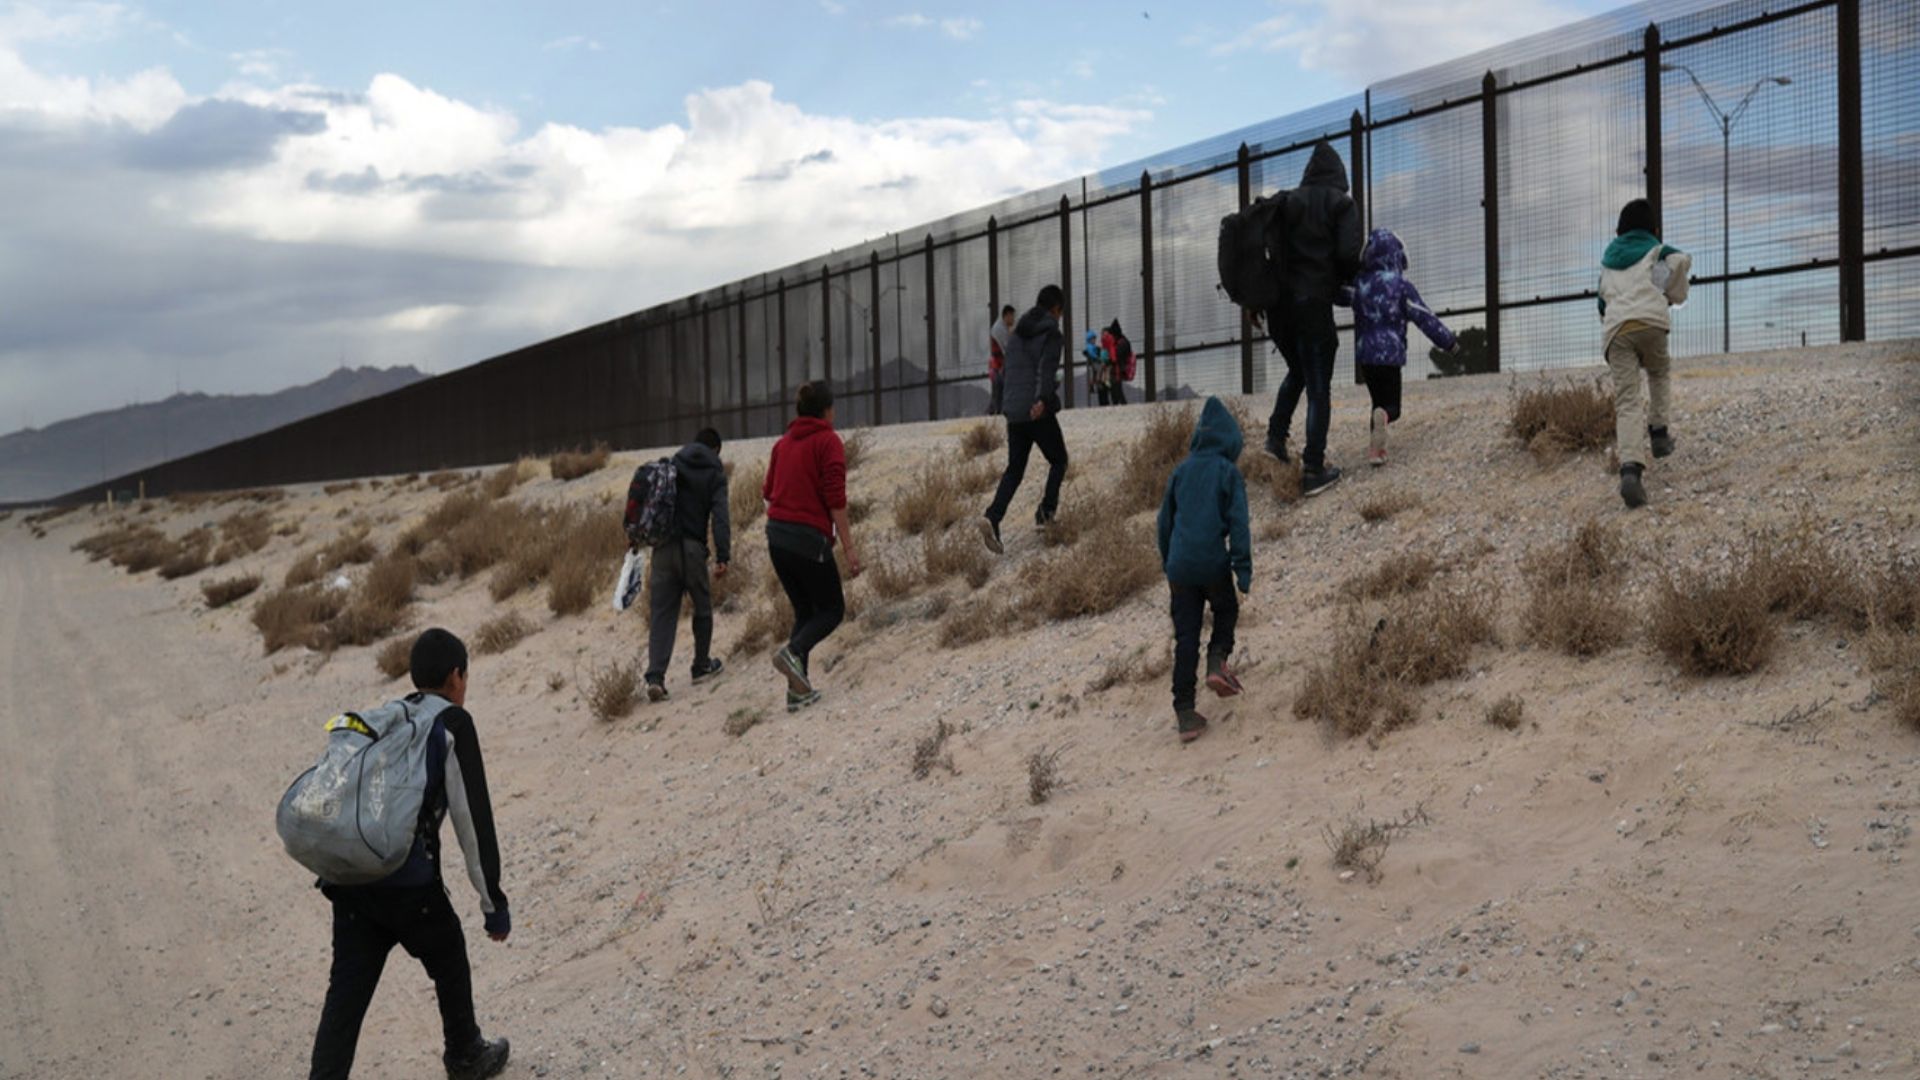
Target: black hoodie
x,y
1321,230
703,493
1033,361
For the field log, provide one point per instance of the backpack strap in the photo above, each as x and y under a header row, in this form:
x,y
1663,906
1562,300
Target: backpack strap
x,y
352,722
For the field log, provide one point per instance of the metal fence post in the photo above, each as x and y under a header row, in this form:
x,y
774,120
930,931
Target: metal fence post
x,y
784,388
993,266
1357,158
1146,279
1245,170
1490,201
826,324
1651,94
740,388
1853,214
706,366
873,317
1066,289
933,346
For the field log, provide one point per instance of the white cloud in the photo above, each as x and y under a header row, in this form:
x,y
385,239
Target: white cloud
x,y
263,64
24,22
961,29
423,317
571,43
833,7
912,20
1375,39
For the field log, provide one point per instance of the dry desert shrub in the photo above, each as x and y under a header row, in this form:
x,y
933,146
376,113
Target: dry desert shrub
x,y
892,578
530,539
769,621
349,548
502,481
502,632
974,621
740,721
1043,774
1895,658
1575,603
1360,844
191,554
1798,575
612,691
379,606
585,563
448,479
1406,572
859,510
243,533
1383,505
983,438
1507,713
1072,522
1551,417
859,446
734,589
221,593
1713,622
957,553
395,658
1108,568
1150,458
938,495
744,504
930,751
50,515
576,463
343,486
1145,664
297,616
1365,682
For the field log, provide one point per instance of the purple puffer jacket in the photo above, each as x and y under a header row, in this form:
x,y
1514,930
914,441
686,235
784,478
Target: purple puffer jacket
x,y
1383,300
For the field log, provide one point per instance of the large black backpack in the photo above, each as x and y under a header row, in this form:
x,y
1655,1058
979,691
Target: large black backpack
x,y
1250,262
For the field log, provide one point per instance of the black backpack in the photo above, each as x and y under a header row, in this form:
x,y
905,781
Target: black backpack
x,y
1250,265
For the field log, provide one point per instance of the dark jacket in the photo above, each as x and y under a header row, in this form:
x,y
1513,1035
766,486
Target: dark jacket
x,y
1033,366
703,495
806,476
1320,230
1202,527
1383,300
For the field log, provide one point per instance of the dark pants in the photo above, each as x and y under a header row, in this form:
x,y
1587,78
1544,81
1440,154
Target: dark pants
x,y
1383,386
1113,393
367,924
1189,608
1307,340
995,383
679,569
1022,437
813,588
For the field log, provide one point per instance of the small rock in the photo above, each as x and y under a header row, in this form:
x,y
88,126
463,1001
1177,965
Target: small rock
x,y
1469,1048
938,1007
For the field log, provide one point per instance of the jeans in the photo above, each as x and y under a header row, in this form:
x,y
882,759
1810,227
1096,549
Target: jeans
x,y
813,588
367,923
1022,437
1383,387
1303,329
1189,608
679,568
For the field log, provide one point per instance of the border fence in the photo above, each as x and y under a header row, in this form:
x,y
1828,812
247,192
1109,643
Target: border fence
x,y
1779,141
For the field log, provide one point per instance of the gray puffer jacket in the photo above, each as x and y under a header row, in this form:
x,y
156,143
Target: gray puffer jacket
x,y
1033,366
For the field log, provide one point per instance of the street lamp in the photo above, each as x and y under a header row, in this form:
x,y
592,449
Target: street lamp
x,y
1726,120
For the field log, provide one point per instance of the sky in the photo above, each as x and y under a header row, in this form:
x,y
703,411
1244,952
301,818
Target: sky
x,y
236,197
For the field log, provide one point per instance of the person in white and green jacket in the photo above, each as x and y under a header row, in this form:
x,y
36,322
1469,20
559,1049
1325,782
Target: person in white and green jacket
x,y
1640,278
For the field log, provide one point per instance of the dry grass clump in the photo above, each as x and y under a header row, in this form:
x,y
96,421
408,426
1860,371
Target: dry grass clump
x,y
1713,622
223,592
1406,572
742,720
1550,417
529,541
347,485
732,591
744,504
1507,713
1360,844
243,533
107,542
1383,505
859,446
501,633
1043,774
974,621
586,560
190,555
448,479
1574,602
892,578
379,606
768,622
940,495
1143,665
395,658
501,482
1150,458
1895,659
1798,575
931,751
983,438
1364,684
1111,566
1263,473
576,463
957,554
349,548
50,514
297,616
612,691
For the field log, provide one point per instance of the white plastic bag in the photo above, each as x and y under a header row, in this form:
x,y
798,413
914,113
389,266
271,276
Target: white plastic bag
x,y
632,573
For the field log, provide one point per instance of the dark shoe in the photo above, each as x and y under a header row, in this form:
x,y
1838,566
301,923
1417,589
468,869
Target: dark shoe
x,y
789,665
1276,450
1043,518
1221,679
1192,724
656,692
1632,491
1313,483
990,535
796,702
1662,442
485,1060
703,673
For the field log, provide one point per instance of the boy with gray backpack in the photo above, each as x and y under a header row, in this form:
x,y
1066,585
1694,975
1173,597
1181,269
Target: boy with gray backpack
x,y
366,819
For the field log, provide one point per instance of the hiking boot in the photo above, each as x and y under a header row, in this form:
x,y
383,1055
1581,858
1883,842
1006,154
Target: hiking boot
x,y
1662,442
790,666
485,1060
1313,483
1220,677
990,535
656,691
1276,450
1192,724
796,702
1377,439
703,672
1632,491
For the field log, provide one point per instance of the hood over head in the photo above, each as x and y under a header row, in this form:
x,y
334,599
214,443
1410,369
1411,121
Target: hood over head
x,y
803,428
1217,432
698,455
1324,168
1034,323
1383,253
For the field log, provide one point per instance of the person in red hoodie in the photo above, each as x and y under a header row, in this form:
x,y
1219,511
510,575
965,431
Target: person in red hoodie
x,y
806,495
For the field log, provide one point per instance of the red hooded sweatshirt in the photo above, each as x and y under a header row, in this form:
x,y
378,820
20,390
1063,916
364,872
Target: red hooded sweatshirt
x,y
807,476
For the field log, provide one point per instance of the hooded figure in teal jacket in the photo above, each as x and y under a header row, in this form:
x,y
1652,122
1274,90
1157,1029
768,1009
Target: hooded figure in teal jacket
x,y
1203,518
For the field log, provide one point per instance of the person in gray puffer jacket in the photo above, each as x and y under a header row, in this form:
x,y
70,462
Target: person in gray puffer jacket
x,y
1030,400
679,566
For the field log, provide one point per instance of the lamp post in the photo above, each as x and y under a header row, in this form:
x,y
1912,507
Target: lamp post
x,y
1725,120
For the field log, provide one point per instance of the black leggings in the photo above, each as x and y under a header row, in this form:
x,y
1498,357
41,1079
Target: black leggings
x,y
1383,386
813,588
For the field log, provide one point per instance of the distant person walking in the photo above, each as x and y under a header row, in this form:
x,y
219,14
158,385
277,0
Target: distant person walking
x,y
998,335
1640,278
1384,301
1099,369
1318,236
679,566
1032,408
1205,550
806,495
1121,359
410,908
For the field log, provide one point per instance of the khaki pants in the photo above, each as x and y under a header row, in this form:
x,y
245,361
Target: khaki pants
x,y
1630,352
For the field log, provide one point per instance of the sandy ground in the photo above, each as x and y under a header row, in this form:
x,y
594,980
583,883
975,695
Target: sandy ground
x,y
1653,877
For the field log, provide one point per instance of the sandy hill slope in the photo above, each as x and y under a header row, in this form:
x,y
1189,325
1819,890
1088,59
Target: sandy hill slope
x,y
1655,873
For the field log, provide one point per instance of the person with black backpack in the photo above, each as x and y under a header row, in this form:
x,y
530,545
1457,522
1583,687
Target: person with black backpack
x,y
1120,357
679,564
1312,246
410,907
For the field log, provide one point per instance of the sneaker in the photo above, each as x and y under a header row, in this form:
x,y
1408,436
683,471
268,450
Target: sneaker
x,y
1043,518
1276,450
485,1060
990,535
1192,724
656,692
1221,679
703,673
1377,439
796,702
1313,483
1662,442
1632,491
795,672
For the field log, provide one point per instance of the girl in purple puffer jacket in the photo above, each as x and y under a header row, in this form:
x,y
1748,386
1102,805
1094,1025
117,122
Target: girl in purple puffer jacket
x,y
1383,300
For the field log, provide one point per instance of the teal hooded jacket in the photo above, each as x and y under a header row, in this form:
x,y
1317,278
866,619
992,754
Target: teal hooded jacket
x,y
1202,527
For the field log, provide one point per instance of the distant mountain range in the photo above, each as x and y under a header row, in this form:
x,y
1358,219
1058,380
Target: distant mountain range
x,y
40,462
